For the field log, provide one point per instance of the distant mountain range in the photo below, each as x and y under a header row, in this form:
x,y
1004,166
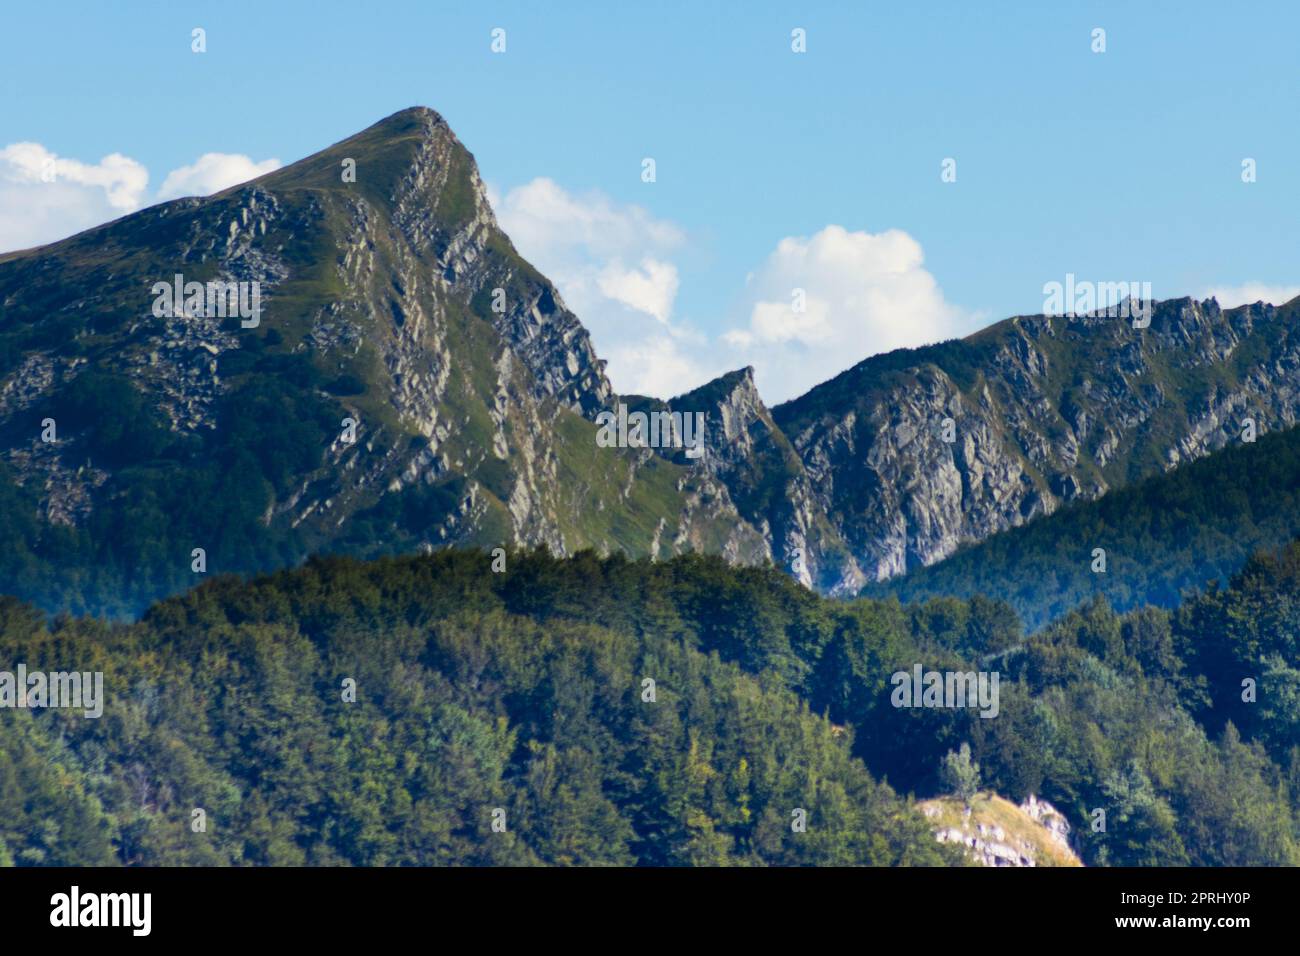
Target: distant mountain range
x,y
393,301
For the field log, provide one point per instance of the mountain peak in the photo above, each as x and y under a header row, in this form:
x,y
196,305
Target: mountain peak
x,y
384,159
420,121
724,387
414,113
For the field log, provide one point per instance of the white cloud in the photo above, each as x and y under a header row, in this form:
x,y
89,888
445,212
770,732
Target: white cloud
x,y
663,365
45,197
862,293
543,216
213,172
612,263
651,288
1249,293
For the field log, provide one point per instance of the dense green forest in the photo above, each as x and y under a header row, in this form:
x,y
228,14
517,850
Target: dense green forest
x,y
231,699
1162,536
170,491
524,692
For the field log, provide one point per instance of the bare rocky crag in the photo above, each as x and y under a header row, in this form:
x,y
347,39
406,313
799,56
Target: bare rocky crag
x,y
387,287
996,832
1043,411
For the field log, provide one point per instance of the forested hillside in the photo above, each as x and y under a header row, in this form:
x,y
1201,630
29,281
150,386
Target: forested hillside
x,y
524,691
232,700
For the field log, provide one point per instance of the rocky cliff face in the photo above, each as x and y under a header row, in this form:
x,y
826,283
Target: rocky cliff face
x,y
915,452
410,383
751,457
391,299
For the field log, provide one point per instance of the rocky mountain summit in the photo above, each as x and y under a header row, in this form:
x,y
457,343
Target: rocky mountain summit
x,y
412,383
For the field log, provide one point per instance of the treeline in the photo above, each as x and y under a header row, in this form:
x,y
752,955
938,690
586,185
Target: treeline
x,y
478,736
1162,537
525,692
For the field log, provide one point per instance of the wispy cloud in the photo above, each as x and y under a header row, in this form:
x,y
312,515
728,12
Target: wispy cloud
x,y
212,173
1231,296
45,197
613,263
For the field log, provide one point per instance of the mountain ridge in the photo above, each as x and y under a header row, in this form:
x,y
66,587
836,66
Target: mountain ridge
x,y
472,421
395,301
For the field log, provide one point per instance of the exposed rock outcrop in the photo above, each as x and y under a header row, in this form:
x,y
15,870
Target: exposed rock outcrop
x,y
996,832
913,453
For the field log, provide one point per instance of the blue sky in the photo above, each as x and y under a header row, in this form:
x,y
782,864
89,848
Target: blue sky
x,y
1122,165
